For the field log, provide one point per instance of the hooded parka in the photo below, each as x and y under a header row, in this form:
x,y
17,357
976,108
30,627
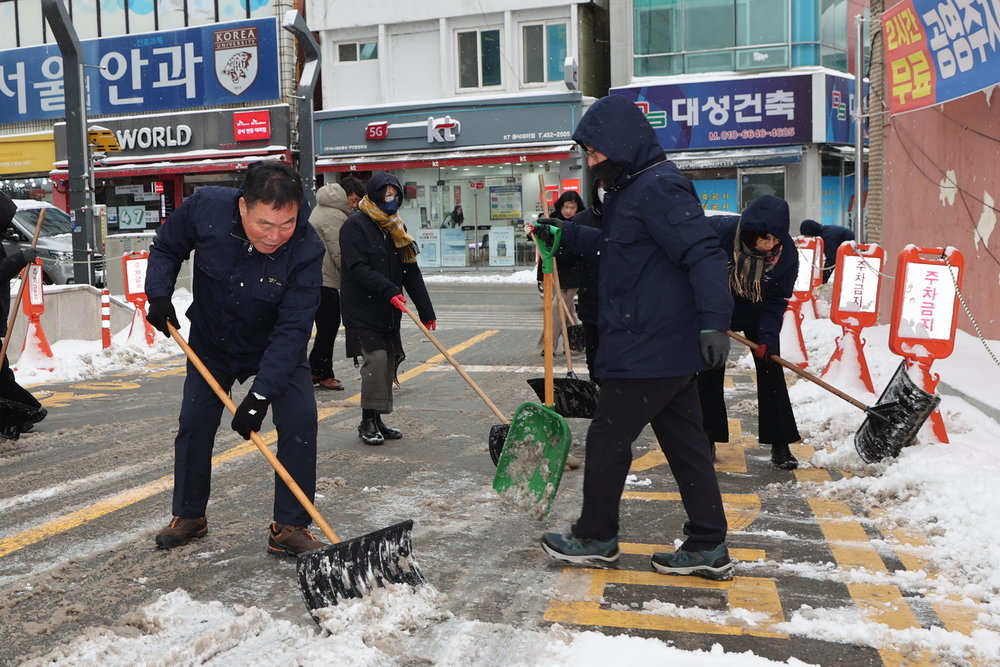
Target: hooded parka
x,y
327,218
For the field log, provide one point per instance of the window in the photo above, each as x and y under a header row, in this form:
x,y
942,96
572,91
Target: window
x,y
479,59
355,51
543,49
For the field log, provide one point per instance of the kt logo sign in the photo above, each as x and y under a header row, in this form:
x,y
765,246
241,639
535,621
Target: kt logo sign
x,y
442,130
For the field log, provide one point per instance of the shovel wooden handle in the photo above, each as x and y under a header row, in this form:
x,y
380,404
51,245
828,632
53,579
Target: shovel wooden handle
x,y
255,437
563,316
801,373
16,306
461,371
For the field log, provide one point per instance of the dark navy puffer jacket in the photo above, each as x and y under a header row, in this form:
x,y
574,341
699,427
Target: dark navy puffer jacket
x,y
833,236
662,272
762,321
373,273
252,313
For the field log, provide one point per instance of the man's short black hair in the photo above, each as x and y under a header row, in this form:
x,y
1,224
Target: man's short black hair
x,y
273,183
353,186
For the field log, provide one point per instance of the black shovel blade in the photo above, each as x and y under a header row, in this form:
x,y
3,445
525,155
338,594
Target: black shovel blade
x,y
13,416
577,340
498,435
351,568
894,421
574,398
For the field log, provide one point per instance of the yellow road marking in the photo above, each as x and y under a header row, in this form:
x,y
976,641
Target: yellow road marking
x,y
60,399
105,386
131,496
730,455
758,595
640,549
741,509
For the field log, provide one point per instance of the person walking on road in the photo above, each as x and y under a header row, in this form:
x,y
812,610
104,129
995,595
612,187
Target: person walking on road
x,y
587,301
663,308
833,236
569,204
332,209
26,411
379,260
257,276
762,269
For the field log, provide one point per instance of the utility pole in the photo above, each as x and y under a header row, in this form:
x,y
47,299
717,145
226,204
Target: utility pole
x,y
296,24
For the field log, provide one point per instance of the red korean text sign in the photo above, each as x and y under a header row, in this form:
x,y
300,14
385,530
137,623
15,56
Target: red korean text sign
x,y
925,303
134,271
810,249
856,285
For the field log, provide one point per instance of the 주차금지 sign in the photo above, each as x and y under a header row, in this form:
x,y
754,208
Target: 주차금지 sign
x,y
939,50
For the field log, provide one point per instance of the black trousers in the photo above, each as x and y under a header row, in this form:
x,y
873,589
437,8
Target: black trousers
x,y
12,391
327,326
590,340
775,419
671,407
294,415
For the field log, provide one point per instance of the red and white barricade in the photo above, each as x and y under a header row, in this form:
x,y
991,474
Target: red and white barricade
x,y
134,270
810,275
857,283
105,319
925,315
36,352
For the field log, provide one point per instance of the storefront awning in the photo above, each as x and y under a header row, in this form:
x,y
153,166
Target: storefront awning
x,y
460,158
737,157
174,164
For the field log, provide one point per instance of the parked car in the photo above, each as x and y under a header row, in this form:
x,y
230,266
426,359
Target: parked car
x,y
55,240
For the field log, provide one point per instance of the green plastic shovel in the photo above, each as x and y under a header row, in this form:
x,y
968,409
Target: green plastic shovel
x,y
534,453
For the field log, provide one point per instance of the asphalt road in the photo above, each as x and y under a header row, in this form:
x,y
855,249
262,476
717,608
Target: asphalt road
x,y
85,494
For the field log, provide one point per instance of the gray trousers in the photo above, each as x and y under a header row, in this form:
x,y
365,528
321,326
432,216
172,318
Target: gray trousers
x,y
377,375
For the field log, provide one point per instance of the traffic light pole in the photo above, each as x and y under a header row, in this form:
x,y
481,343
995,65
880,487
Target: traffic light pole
x,y
81,210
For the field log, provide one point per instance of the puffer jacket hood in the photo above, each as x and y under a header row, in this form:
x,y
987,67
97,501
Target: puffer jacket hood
x,y
333,195
615,126
768,214
379,180
810,228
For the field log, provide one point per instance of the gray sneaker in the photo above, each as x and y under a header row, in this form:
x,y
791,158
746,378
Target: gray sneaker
x,y
572,549
710,564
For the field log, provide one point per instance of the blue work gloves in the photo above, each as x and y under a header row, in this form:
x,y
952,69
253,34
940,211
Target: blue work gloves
x,y
250,415
714,347
161,311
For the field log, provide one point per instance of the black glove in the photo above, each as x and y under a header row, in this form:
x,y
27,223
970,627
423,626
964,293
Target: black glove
x,y
714,347
161,311
250,415
29,255
542,232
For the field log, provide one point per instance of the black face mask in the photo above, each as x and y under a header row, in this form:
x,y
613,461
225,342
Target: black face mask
x,y
605,171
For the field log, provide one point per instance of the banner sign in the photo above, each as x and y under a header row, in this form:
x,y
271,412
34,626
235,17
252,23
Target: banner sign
x,y
938,51
222,63
756,111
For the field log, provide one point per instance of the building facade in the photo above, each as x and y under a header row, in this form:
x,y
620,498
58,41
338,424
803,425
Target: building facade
x,y
472,107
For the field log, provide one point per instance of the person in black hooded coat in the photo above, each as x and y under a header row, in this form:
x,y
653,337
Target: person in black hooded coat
x,y
378,259
663,307
569,204
10,266
833,236
763,264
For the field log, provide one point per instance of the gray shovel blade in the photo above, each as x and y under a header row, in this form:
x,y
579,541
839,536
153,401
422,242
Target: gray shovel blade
x,y
894,421
351,568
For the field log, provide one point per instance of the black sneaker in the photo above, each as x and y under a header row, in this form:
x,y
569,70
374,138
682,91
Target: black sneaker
x,y
710,564
572,549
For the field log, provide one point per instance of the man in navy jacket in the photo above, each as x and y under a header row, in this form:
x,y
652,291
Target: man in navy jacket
x,y
663,308
833,236
257,277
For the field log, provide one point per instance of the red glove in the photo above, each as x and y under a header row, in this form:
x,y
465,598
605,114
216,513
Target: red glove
x,y
761,351
431,325
399,301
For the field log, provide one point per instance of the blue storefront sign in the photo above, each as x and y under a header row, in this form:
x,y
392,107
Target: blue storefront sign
x,y
728,113
223,63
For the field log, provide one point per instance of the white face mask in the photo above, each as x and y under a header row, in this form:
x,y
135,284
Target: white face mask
x,y
600,195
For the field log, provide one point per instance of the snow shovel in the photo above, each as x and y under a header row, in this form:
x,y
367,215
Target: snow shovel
x,y
534,454
574,398
498,432
345,569
892,423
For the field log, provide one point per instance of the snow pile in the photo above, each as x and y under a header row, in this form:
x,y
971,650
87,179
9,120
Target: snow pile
x,y
523,277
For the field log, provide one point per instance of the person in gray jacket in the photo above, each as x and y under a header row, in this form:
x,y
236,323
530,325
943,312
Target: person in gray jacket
x,y
332,209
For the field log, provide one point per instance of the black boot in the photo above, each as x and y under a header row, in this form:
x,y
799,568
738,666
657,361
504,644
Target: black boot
x,y
782,458
387,433
368,428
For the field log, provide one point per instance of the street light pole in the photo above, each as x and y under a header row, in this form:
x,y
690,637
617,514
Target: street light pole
x,y
296,24
860,232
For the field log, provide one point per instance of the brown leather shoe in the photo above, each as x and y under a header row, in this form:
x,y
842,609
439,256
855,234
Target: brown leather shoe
x,y
330,383
180,531
288,540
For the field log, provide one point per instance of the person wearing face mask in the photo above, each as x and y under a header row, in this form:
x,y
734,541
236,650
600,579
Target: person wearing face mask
x,y
762,267
569,204
379,260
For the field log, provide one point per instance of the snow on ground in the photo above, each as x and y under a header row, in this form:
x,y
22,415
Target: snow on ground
x,y
945,492
525,276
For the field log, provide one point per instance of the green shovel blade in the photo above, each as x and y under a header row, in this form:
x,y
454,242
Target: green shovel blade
x,y
533,457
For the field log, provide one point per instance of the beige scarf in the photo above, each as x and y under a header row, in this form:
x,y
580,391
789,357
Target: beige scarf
x,y
393,224
747,268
